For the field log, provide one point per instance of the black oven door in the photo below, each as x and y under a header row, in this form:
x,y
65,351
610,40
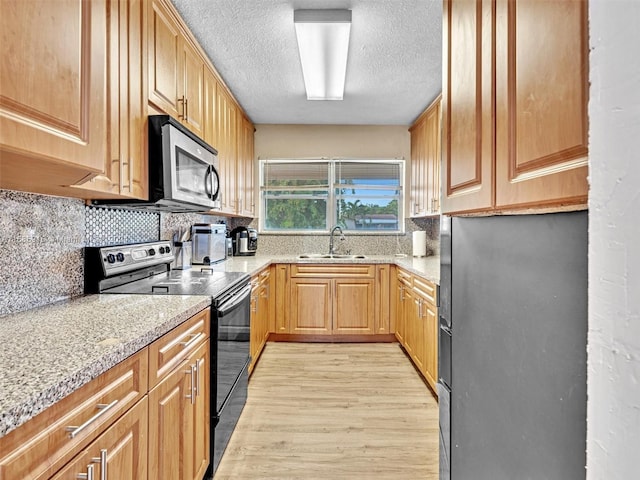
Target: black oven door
x,y
233,319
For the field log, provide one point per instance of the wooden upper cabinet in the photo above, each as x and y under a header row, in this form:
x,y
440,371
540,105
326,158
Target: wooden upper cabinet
x,y
227,132
176,71
515,77
52,93
541,103
425,163
193,90
467,106
245,171
165,89
125,169
210,134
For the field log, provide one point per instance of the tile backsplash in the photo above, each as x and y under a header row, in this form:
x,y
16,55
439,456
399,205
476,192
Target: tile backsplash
x,y
42,240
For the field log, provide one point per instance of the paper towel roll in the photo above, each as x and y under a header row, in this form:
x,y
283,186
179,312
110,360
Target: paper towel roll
x,y
419,244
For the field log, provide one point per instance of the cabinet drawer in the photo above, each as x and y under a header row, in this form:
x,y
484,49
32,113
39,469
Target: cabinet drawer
x,y
351,271
425,288
41,446
403,277
167,352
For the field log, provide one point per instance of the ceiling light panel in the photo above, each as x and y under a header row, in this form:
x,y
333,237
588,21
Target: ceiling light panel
x,y
323,43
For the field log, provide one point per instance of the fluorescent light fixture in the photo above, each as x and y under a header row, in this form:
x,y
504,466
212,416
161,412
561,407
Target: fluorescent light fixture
x,y
323,41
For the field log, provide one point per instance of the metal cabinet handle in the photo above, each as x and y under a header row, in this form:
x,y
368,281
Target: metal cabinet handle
x,y
182,116
186,109
191,341
192,395
103,407
102,460
197,368
86,476
402,293
420,308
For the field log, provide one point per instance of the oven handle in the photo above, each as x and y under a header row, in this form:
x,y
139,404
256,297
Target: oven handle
x,y
234,302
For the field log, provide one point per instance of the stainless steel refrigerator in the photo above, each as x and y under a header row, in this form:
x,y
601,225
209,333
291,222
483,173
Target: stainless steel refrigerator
x,y
513,334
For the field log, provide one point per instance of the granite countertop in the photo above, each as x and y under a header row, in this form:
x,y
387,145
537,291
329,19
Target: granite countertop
x,y
49,352
426,267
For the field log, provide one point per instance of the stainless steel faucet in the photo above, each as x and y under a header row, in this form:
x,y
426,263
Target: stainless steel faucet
x,y
333,231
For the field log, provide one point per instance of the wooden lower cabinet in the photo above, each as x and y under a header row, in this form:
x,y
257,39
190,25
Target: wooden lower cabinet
x,y
416,322
353,306
338,299
261,313
119,453
311,310
178,435
123,430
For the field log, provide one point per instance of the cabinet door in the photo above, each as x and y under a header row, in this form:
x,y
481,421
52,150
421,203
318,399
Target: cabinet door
x,y
467,106
192,68
227,128
52,93
433,158
430,347
282,308
353,306
179,426
541,103
165,78
401,301
418,193
245,170
210,123
383,299
120,452
199,416
311,306
125,169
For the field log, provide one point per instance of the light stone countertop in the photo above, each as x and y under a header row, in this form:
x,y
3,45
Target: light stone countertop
x,y
49,352
426,267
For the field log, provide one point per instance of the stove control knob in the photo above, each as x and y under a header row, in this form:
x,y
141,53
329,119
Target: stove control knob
x,y
151,252
111,258
167,250
120,257
161,249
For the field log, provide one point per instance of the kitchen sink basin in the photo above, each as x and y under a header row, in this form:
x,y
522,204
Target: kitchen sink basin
x,y
319,256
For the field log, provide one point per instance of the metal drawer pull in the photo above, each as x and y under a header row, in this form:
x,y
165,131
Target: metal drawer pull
x,y
191,396
191,341
88,475
103,407
102,460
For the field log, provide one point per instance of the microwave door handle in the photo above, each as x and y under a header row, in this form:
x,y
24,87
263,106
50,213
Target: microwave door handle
x,y
209,184
214,194
208,181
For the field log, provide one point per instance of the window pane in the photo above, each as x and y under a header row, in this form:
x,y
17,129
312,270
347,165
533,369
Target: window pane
x,y
301,174
367,173
368,213
295,214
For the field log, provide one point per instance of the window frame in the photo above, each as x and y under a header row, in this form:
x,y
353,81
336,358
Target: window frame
x,y
332,197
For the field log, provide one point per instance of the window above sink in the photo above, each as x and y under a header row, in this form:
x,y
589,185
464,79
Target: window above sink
x,y
310,196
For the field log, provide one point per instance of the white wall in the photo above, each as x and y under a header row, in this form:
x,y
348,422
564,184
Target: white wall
x,y
613,408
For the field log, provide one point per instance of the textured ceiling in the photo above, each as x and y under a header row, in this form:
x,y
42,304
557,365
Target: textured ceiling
x,y
394,69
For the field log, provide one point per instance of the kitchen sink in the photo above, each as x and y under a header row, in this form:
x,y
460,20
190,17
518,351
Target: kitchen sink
x,y
319,256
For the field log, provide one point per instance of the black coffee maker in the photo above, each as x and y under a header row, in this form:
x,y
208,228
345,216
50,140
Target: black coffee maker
x,y
245,241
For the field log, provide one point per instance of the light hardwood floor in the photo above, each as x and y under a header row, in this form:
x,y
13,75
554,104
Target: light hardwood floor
x,y
334,411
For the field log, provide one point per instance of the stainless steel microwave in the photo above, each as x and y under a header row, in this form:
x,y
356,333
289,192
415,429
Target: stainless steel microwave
x,y
183,171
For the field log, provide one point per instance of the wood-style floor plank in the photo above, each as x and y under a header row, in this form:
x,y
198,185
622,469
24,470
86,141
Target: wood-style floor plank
x,y
334,411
